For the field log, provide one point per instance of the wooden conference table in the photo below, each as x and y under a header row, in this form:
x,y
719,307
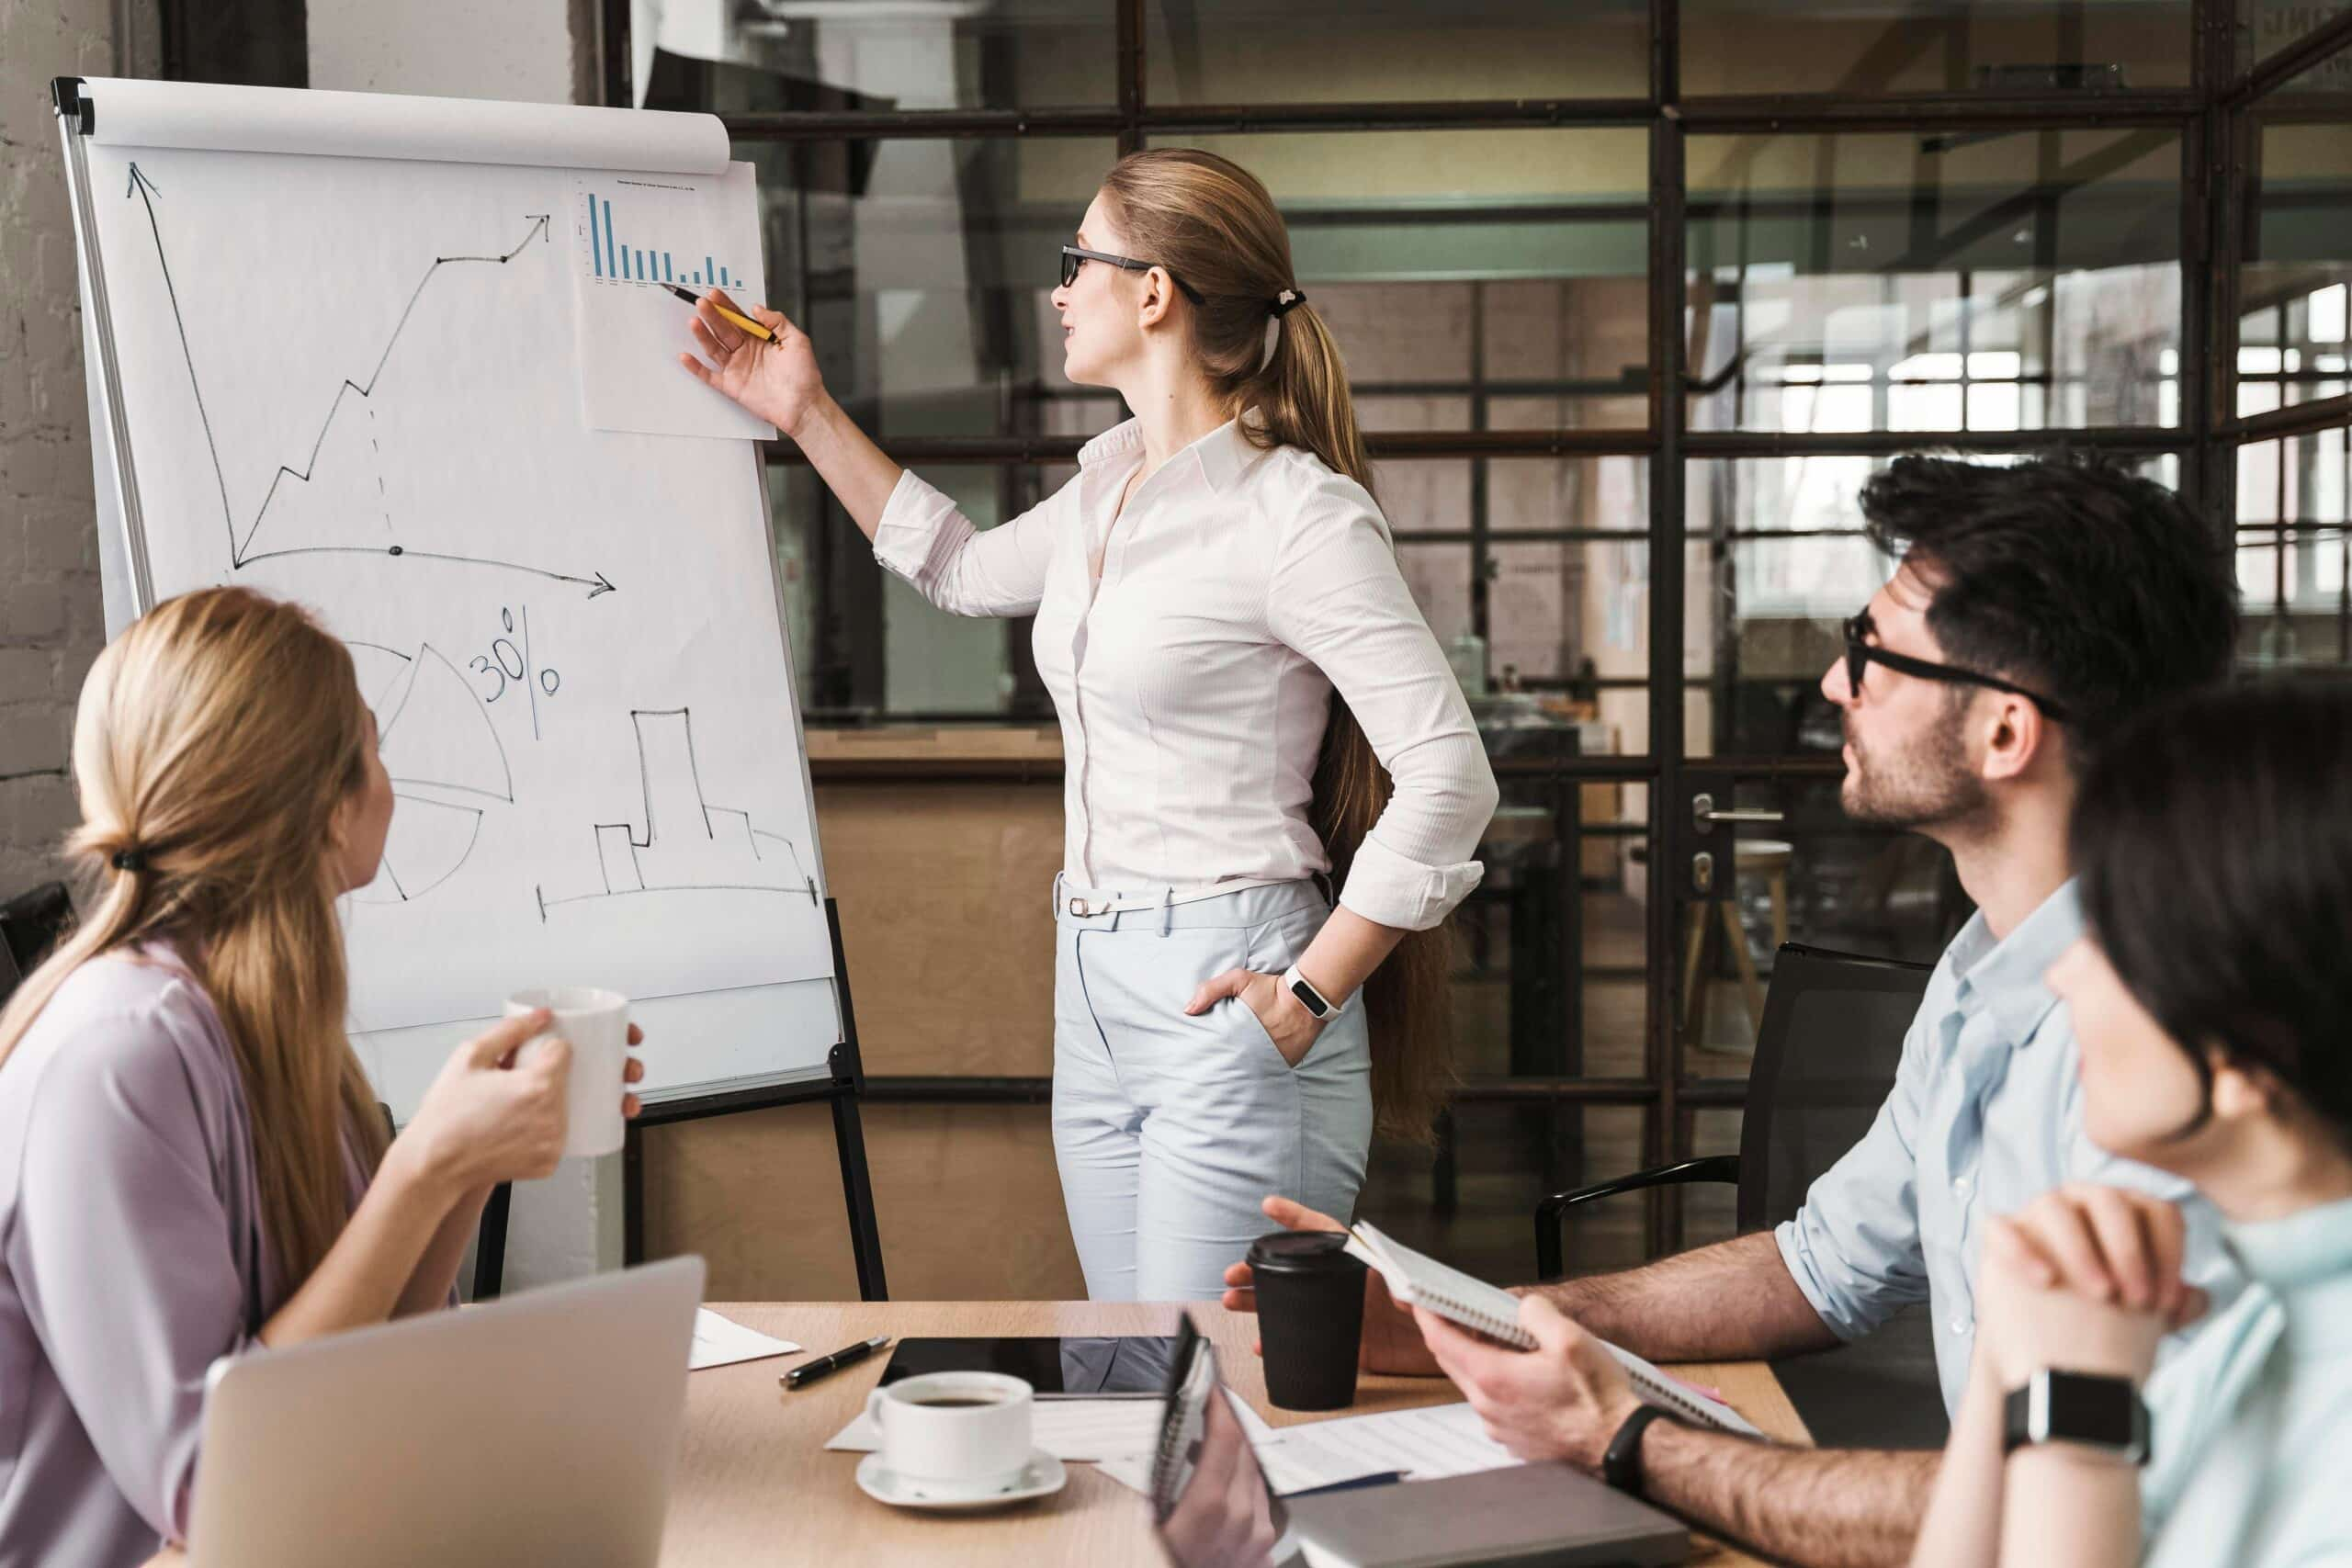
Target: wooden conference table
x,y
754,1483
755,1486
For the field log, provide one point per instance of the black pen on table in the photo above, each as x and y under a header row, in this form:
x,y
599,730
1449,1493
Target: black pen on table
x,y
740,320
809,1371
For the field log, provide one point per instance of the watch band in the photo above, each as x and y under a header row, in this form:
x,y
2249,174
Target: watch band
x,y
2091,1410
1313,1000
1621,1467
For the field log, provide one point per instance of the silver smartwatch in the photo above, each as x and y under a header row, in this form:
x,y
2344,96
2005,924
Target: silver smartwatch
x,y
1313,1000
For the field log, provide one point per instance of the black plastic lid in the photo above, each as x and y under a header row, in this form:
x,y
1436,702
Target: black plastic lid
x,y
1300,1252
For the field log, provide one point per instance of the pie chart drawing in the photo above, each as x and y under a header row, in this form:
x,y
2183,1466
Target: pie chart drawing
x,y
428,843
436,740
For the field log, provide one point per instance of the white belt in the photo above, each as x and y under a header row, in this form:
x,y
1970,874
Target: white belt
x,y
1084,902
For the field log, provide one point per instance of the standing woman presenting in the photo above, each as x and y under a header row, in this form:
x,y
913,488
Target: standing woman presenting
x,y
1249,699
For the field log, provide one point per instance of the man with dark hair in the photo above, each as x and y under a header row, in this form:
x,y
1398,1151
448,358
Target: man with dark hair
x,y
2037,607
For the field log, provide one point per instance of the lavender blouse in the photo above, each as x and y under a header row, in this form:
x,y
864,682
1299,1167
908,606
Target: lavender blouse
x,y
131,1257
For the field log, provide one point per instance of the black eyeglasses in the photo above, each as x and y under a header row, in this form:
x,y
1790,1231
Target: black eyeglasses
x,y
1860,653
1073,258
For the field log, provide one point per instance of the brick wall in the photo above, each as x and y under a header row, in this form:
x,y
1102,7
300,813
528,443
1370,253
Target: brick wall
x,y
50,619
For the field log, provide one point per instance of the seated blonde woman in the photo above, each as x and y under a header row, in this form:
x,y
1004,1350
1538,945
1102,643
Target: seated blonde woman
x,y
2213,1003
192,1163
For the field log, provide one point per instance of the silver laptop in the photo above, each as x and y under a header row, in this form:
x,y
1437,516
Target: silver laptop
x,y
539,1428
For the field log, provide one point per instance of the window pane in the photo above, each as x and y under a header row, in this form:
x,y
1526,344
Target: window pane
x,y
1470,1202
1260,51
2292,336
2294,517
921,269
1777,560
1439,576
873,54
1449,263
2020,280
1913,46
2265,27
1817,877
867,645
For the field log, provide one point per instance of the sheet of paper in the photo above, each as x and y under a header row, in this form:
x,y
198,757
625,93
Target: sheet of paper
x,y
569,637
1067,1429
634,236
720,1341
1443,1439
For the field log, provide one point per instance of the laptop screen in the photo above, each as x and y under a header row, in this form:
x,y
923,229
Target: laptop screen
x,y
1209,1495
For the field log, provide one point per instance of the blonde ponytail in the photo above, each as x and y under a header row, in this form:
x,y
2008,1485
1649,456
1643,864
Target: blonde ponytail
x,y
214,740
1212,223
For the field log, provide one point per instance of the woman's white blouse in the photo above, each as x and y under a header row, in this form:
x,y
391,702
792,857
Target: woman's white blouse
x,y
1238,589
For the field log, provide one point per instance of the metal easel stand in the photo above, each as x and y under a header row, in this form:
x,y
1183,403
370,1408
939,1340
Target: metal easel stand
x,y
844,1084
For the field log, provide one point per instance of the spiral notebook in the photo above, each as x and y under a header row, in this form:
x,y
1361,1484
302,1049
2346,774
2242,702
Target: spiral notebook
x,y
1418,1279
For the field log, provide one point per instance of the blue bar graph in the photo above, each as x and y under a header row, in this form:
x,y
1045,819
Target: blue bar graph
x,y
609,258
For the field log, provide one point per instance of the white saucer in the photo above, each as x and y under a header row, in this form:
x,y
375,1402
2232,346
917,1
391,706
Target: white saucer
x,y
1041,1477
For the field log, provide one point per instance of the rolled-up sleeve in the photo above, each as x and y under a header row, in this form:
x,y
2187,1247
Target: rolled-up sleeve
x,y
1854,1247
134,1288
925,540
1337,598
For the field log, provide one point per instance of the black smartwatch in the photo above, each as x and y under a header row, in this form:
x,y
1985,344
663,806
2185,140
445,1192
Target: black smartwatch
x,y
2104,1414
1621,1466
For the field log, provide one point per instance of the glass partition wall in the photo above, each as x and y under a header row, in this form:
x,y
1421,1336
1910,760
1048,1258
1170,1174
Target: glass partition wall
x,y
1633,304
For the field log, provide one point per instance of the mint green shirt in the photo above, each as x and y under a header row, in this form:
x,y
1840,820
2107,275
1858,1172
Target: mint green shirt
x,y
2251,1423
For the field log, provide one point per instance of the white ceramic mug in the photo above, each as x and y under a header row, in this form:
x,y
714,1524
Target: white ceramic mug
x,y
953,1430
596,1022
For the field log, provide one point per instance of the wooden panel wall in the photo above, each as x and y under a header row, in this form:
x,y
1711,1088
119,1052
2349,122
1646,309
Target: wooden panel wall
x,y
944,888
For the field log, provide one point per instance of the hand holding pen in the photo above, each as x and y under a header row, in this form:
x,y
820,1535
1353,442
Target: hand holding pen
x,y
756,357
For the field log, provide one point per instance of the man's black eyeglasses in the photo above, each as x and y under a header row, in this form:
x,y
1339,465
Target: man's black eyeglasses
x,y
1073,258
1860,653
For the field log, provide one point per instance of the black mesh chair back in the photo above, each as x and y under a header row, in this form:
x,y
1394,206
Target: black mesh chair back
x,y
1826,1054
30,924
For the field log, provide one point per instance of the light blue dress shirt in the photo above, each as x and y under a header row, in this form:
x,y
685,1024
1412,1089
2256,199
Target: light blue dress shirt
x,y
1985,1117
2251,1425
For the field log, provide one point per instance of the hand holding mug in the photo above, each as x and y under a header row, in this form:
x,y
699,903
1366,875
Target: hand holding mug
x,y
489,1118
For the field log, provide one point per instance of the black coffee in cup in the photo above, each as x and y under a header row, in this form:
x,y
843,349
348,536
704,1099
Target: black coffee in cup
x,y
1310,1317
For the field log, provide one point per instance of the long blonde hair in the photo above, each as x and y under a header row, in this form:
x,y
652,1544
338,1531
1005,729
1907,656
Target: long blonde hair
x,y
1211,222
214,740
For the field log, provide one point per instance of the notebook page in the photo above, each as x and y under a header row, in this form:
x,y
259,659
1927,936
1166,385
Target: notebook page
x,y
1414,1277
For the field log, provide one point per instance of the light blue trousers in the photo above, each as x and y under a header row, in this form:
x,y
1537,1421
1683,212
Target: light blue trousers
x,y
1169,1130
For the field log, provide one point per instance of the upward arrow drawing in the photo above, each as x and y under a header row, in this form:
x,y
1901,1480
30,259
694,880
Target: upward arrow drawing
x,y
147,190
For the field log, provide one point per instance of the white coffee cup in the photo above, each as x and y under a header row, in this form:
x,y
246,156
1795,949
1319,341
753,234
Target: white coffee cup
x,y
596,1022
953,1430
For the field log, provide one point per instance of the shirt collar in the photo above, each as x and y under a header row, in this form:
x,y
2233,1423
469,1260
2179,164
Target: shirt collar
x,y
1222,454
2005,978
2307,1247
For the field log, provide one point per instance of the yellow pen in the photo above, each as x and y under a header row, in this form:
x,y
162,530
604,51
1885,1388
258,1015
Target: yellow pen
x,y
749,326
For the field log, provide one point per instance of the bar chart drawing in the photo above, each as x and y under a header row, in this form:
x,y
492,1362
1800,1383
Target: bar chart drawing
x,y
685,844
620,251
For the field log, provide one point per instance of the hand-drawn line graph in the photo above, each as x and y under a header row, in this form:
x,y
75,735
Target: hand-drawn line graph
x,y
434,734
241,551
688,845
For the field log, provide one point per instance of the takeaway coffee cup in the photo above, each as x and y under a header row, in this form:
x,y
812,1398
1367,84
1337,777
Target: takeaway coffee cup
x,y
1310,1317
596,1024
953,1430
